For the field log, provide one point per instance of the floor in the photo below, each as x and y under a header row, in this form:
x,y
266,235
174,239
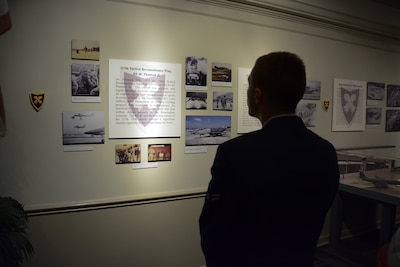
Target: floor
x,y
360,251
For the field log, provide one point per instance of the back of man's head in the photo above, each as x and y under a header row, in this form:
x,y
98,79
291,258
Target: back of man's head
x,y
282,76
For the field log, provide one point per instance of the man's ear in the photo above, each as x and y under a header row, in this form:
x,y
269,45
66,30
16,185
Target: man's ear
x,y
258,95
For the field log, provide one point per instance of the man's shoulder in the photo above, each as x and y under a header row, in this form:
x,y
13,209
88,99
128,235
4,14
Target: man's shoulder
x,y
243,138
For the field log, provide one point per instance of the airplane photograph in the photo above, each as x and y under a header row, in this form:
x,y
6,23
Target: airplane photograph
x,y
221,74
85,49
91,131
375,91
313,90
80,115
127,153
207,130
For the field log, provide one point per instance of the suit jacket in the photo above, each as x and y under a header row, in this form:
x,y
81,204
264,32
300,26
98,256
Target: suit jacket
x,y
268,197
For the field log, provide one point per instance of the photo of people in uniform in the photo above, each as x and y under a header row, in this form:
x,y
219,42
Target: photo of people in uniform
x,y
127,153
159,152
85,80
375,91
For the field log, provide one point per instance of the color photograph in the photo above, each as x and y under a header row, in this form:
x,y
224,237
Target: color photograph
x,y
221,74
196,100
313,90
207,130
307,112
83,49
392,120
127,153
159,152
375,91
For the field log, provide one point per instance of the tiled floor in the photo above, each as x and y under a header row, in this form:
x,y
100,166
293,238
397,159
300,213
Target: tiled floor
x,y
360,251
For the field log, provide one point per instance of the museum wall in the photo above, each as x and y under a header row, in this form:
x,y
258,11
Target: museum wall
x,y
87,210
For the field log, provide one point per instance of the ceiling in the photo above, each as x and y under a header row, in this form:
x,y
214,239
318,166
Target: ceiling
x,y
390,3
372,18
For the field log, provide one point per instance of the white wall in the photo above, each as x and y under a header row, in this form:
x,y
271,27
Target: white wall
x,y
35,56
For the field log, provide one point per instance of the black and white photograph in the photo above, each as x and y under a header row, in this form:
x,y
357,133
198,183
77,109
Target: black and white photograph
x,y
375,91
374,116
223,101
221,74
393,95
207,130
307,112
196,100
85,82
83,127
313,90
127,153
159,152
196,73
85,49
392,120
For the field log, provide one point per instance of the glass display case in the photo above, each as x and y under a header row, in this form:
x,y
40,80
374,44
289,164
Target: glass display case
x,y
370,165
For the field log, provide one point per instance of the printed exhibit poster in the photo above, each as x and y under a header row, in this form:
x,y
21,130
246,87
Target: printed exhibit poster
x,y
246,123
349,100
144,99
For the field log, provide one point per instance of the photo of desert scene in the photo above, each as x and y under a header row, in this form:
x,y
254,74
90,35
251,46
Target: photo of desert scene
x,y
207,130
82,49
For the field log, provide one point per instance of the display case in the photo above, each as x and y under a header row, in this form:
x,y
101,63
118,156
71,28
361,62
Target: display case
x,y
370,165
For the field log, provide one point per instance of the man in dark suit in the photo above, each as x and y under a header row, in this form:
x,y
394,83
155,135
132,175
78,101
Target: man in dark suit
x,y
270,189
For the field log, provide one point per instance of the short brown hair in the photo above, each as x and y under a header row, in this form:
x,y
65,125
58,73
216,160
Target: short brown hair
x,y
282,76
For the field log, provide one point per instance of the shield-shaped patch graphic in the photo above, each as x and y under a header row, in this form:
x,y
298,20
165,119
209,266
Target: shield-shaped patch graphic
x,y
37,99
144,95
349,102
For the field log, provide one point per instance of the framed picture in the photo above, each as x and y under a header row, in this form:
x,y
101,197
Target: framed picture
x,y
349,100
159,152
221,74
84,49
127,153
375,91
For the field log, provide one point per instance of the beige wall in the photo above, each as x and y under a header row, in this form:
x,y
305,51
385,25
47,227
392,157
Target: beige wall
x,y
157,234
